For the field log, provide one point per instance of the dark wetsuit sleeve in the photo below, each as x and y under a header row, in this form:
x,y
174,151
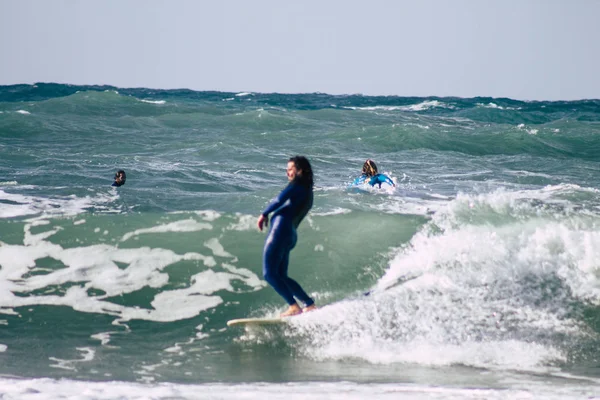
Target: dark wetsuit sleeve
x,y
280,200
293,202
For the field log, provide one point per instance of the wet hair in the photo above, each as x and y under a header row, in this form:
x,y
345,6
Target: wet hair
x,y
119,172
301,163
369,168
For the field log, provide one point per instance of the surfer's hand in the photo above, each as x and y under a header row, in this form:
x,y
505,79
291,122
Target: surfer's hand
x,y
263,219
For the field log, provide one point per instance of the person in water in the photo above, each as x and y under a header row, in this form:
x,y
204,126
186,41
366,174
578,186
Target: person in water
x,y
119,178
371,176
289,209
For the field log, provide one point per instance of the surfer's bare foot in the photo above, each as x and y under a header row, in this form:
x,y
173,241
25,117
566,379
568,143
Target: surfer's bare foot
x,y
294,309
312,307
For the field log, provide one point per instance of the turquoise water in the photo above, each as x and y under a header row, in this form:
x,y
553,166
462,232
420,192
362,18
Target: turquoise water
x,y
481,265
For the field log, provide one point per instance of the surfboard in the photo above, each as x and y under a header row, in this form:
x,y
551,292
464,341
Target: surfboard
x,y
256,321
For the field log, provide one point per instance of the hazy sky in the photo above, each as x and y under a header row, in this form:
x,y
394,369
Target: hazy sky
x,y
523,49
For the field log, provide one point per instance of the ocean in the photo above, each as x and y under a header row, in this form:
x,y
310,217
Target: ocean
x,y
476,277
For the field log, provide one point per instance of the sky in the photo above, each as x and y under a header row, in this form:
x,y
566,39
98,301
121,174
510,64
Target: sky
x,y
521,49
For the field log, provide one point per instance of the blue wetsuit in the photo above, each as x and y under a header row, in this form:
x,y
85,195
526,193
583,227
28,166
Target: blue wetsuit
x,y
289,209
374,180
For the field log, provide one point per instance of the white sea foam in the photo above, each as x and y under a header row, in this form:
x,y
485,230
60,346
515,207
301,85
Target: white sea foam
x,y
531,131
23,112
17,205
186,225
244,223
87,354
511,387
455,217
335,211
496,106
457,292
490,105
405,329
529,173
103,337
113,271
217,248
153,101
206,215
247,276
339,332
242,94
408,206
413,107
400,200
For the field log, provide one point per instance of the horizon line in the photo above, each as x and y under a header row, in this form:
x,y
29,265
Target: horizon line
x,y
249,92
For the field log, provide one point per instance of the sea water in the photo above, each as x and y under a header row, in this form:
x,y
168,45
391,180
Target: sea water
x,y
477,276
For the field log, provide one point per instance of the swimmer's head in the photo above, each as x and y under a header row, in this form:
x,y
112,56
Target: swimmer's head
x,y
120,177
369,168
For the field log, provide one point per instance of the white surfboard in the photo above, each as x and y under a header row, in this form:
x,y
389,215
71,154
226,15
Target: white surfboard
x,y
256,321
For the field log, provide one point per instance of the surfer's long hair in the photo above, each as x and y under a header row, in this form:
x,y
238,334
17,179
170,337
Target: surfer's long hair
x,y
369,168
306,178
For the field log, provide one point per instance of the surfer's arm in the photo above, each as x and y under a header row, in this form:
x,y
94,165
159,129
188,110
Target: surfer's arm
x,y
359,180
388,180
285,195
381,178
280,200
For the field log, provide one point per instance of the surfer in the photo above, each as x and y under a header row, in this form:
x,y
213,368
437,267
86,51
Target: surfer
x,y
288,208
119,178
371,176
